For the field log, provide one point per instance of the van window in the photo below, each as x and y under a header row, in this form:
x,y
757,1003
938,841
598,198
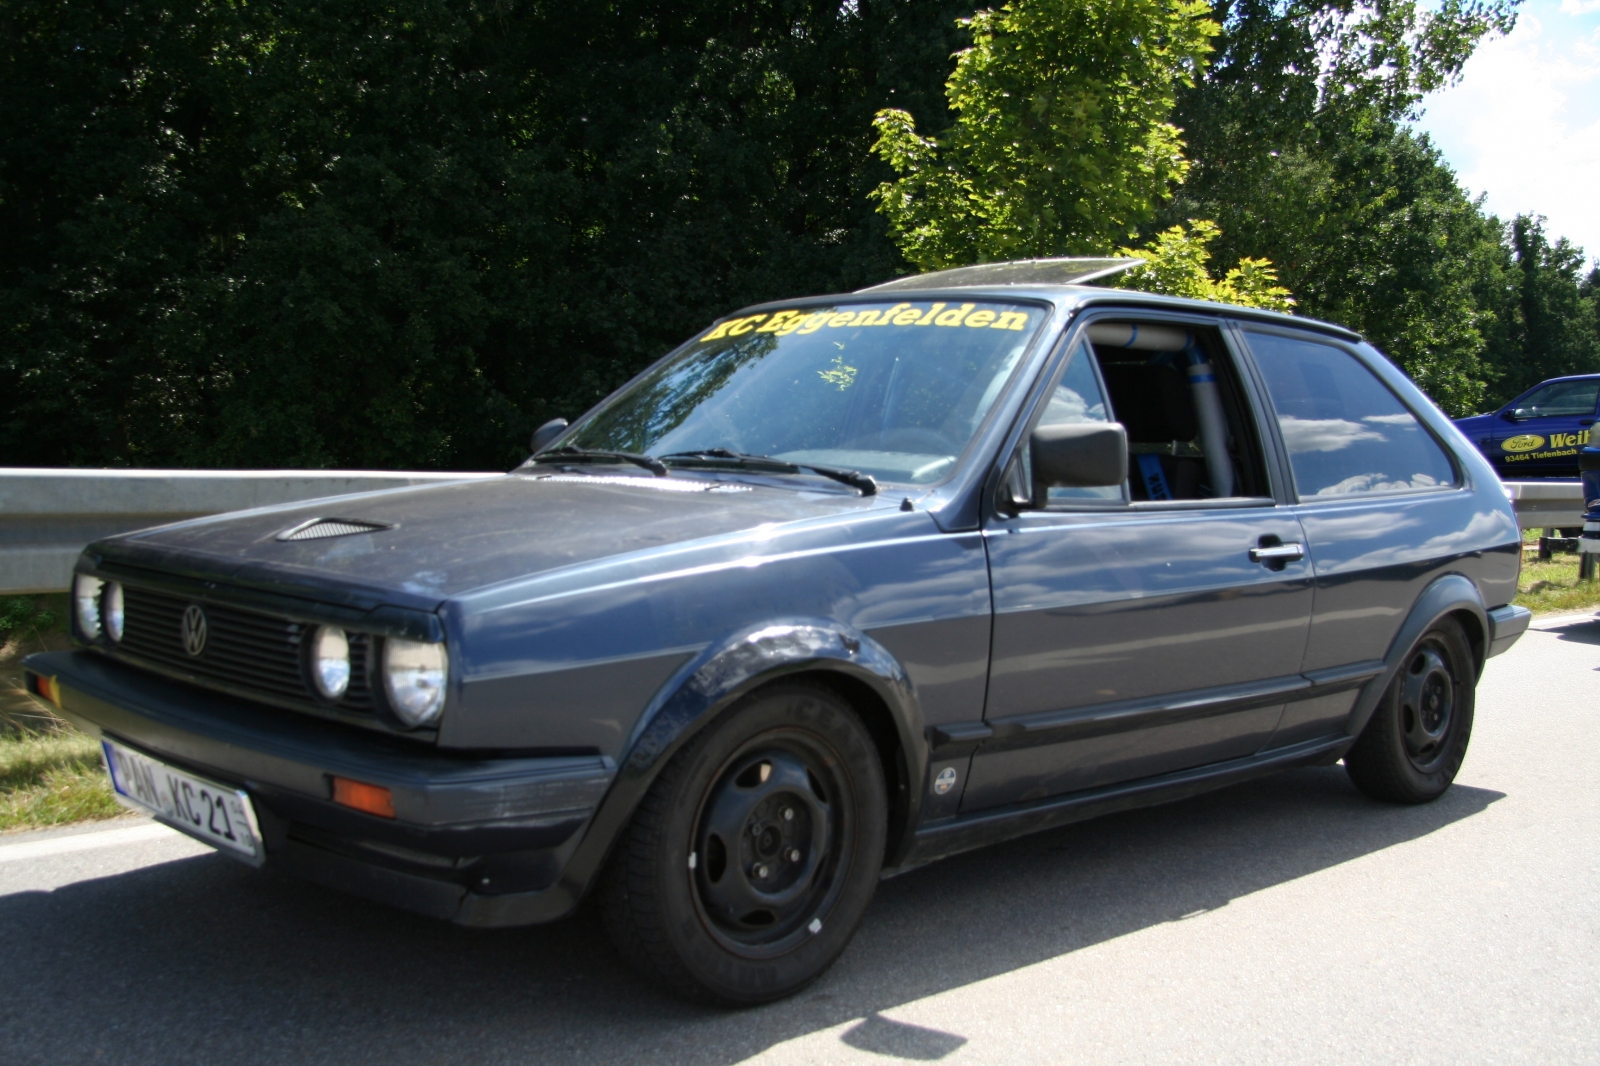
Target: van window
x,y
1559,398
1347,434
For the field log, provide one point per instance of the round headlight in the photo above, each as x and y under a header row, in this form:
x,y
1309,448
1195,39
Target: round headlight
x,y
414,676
111,610
86,605
330,661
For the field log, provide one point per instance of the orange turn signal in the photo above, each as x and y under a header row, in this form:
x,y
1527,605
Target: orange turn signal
x,y
373,799
47,687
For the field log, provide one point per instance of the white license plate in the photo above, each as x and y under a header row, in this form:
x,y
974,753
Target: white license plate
x,y
215,813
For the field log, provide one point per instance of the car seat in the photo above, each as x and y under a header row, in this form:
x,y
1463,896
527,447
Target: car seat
x,y
1153,402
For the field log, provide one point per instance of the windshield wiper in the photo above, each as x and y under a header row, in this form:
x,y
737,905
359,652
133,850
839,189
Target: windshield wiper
x,y
723,457
569,454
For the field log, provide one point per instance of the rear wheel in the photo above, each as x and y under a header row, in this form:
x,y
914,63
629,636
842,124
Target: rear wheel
x,y
1412,748
754,855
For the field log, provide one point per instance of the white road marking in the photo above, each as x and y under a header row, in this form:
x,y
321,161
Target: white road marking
x,y
38,849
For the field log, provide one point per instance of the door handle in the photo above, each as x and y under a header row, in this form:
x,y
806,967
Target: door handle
x,y
1278,553
1585,421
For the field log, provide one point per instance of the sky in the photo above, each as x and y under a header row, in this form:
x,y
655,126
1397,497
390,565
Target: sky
x,y
1523,124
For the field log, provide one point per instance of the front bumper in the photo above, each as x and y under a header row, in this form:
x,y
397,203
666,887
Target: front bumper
x,y
475,840
1506,624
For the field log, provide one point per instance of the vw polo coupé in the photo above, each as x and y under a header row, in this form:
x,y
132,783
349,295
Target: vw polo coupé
x,y
841,586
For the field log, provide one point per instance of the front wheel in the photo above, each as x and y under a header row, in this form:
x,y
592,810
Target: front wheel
x,y
753,856
1412,748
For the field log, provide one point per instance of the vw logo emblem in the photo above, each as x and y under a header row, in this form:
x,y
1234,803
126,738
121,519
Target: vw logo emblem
x,y
193,629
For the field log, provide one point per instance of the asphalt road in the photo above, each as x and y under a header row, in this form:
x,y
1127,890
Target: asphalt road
x,y
1285,921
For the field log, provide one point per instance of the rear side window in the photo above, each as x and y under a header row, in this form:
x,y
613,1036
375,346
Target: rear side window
x,y
1347,434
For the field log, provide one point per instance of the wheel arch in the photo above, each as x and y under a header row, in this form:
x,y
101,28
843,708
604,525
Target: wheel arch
x,y
823,651
892,754
1449,596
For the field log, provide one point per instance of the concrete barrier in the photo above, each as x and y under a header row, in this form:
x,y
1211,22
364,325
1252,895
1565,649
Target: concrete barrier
x,y
48,516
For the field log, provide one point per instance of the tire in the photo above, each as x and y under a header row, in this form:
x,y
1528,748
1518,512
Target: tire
x,y
754,854
1412,747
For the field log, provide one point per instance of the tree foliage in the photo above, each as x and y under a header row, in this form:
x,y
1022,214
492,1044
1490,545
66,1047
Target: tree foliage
x,y
1061,143
1302,155
402,233
1177,263
1552,324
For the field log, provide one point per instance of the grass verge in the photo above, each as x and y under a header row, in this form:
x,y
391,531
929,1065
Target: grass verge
x,y
52,779
1554,586
50,774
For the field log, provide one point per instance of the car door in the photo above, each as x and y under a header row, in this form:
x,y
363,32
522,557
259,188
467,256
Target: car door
x,y
1134,638
1539,433
1381,504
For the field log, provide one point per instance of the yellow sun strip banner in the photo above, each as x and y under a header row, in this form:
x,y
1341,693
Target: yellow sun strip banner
x,y
784,323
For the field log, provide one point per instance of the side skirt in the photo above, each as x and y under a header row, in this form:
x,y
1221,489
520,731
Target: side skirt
x,y
991,826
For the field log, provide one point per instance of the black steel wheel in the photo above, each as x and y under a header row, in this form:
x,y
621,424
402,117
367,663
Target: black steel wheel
x,y
756,851
1411,749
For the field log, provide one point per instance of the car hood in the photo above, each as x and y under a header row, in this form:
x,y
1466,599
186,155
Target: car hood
x,y
437,541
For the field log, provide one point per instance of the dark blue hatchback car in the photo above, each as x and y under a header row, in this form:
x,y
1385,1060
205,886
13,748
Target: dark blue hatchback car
x,y
1538,434
841,586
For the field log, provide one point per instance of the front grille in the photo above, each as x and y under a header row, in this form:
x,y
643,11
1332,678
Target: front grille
x,y
244,650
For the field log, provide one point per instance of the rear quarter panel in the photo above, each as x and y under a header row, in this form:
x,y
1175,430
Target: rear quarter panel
x,y
1374,556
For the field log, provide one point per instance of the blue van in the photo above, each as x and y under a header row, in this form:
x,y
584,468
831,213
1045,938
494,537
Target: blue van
x,y
1538,434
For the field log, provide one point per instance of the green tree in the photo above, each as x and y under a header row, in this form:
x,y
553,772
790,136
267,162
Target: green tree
x,y
1177,263
1061,142
1550,325
1297,132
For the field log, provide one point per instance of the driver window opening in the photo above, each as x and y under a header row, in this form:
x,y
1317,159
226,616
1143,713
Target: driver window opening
x,y
1177,393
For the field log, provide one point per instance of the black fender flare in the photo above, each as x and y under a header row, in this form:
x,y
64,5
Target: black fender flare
x,y
707,685
1448,594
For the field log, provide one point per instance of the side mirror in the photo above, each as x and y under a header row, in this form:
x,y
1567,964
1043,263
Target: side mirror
x,y
1509,415
1078,455
547,433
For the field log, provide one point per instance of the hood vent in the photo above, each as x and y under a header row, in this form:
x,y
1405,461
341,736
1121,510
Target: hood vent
x,y
322,528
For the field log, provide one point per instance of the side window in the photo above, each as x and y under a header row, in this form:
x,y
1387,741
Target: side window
x,y
1076,398
1345,431
1176,393
1175,390
1559,398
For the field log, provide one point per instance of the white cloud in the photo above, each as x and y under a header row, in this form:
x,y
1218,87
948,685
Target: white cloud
x,y
1323,434
1523,126
1378,483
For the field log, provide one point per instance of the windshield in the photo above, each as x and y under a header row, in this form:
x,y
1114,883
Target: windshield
x,y
895,390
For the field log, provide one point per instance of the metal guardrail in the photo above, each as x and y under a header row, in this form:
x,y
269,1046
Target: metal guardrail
x,y
48,516
1547,504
